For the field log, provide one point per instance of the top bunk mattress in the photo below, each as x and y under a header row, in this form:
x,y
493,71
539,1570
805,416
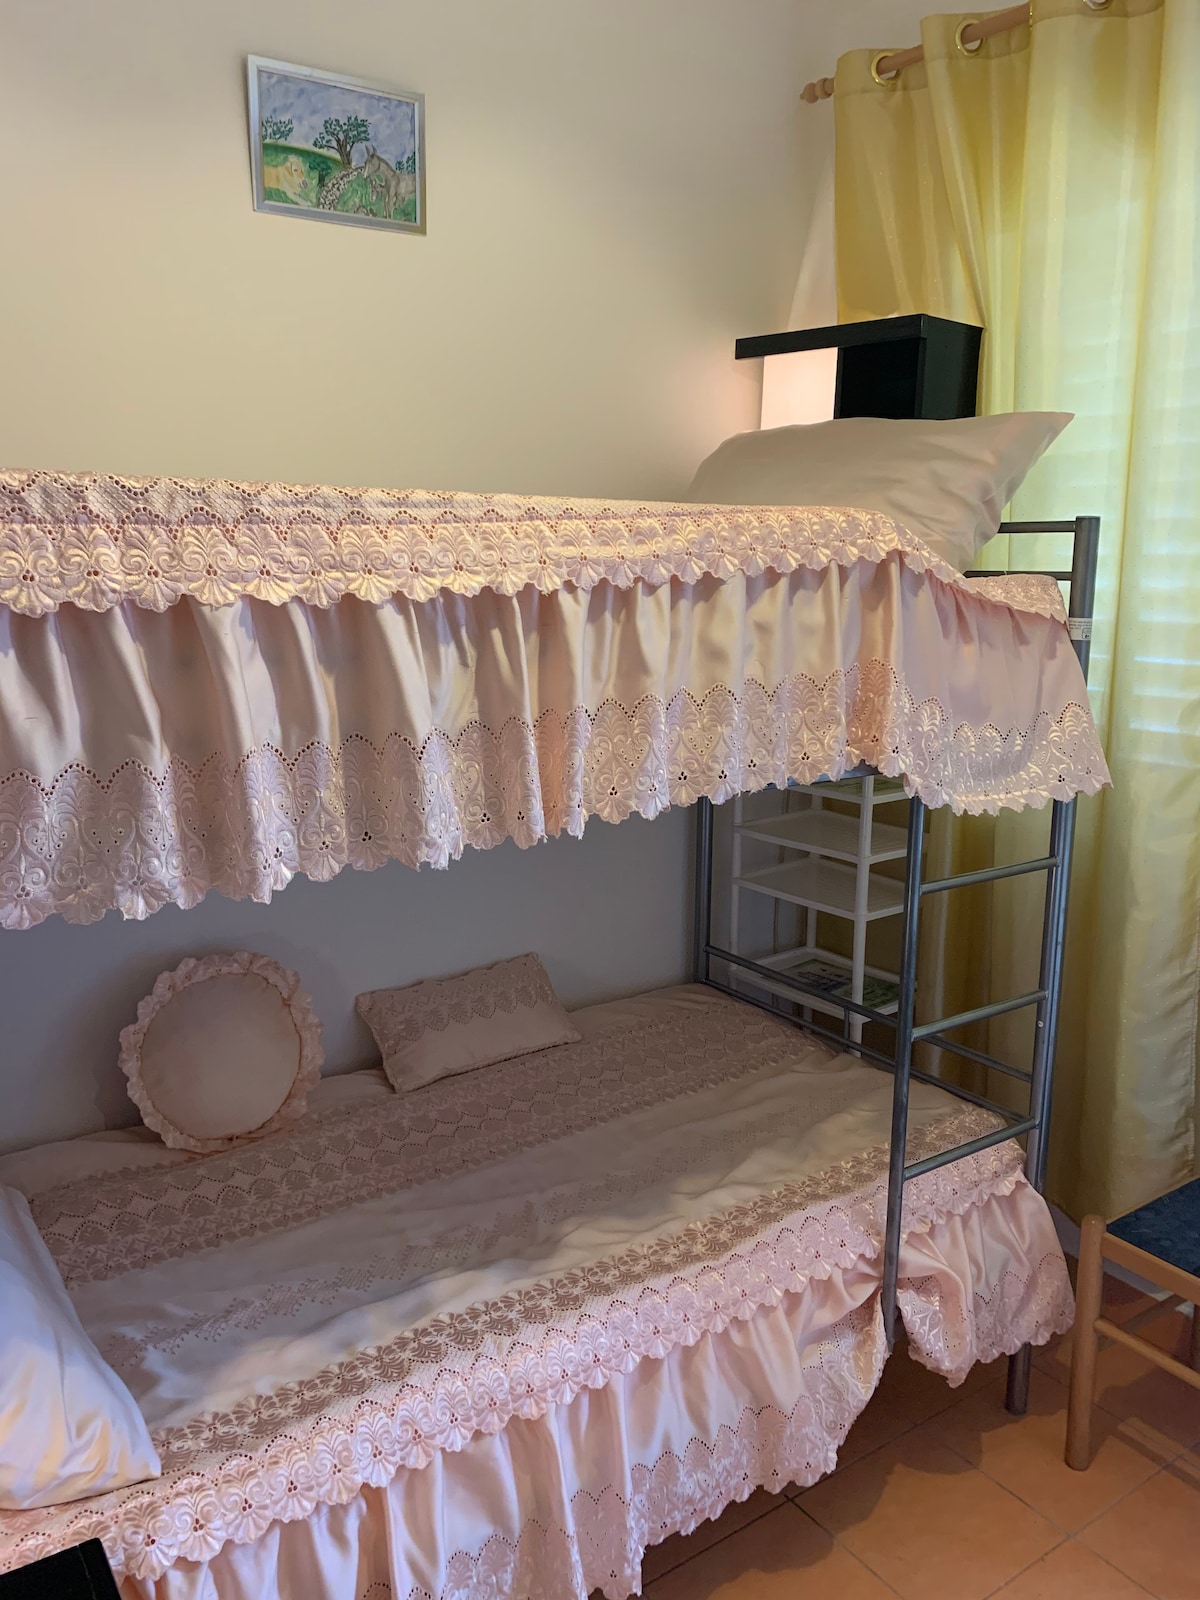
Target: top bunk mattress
x,y
219,685
383,1282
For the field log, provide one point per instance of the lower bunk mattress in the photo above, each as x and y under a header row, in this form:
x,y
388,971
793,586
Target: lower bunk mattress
x,y
497,1336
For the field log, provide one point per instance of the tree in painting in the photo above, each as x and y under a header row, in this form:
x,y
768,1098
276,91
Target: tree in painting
x,y
276,129
342,135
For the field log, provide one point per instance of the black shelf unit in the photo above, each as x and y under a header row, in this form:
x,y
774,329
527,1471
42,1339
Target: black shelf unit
x,y
914,366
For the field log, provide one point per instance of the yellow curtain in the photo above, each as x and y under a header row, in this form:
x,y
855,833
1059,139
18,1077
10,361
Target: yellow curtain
x,y
1045,184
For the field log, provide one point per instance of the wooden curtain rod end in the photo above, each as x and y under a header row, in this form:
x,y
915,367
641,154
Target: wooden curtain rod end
x,y
822,89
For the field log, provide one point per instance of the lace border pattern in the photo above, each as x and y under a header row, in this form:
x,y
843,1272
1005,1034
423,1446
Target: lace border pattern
x,y
228,1476
139,839
96,540
100,1227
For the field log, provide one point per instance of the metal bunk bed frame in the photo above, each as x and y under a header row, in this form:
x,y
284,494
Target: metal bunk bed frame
x,y
1034,1126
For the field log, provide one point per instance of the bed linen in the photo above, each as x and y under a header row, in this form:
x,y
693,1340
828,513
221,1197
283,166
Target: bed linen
x,y
218,685
495,1336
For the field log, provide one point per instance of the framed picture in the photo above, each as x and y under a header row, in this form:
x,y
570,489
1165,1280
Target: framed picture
x,y
336,148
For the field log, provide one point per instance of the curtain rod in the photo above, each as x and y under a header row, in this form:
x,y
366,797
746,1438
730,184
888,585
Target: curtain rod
x,y
890,62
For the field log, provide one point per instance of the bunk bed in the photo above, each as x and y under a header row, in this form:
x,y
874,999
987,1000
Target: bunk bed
x,y
499,1335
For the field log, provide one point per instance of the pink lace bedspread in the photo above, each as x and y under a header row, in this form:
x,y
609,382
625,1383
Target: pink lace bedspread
x,y
220,685
440,1288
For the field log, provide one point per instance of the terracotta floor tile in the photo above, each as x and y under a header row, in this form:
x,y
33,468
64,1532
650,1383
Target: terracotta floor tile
x,y
1071,1573
928,1523
910,1391
1025,1454
1153,1535
880,1424
779,1557
678,1548
1165,1409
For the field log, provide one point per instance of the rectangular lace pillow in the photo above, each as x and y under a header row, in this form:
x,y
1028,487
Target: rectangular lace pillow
x,y
443,1026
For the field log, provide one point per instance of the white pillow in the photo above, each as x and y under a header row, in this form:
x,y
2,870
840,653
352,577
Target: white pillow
x,y
68,1425
445,1026
224,1050
946,482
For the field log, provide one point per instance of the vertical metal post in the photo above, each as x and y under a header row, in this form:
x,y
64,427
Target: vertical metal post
x,y
702,914
736,849
862,891
1084,558
901,1081
1054,928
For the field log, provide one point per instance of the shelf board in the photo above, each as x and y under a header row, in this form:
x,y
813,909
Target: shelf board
x,y
794,961
885,791
828,833
826,885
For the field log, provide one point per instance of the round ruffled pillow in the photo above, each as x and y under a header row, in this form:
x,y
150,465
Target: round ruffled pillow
x,y
224,1050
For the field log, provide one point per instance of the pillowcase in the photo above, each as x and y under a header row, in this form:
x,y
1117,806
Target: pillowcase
x,y
68,1425
224,1050
946,482
444,1026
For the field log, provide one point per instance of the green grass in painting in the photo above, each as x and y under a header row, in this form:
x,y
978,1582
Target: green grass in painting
x,y
361,200
304,171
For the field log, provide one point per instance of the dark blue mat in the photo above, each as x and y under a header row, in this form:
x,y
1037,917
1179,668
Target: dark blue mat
x,y
1168,1227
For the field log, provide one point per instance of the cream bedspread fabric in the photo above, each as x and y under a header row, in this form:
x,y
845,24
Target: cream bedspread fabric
x,y
219,686
368,1303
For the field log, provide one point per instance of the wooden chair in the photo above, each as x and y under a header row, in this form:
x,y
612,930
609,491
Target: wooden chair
x,y
1160,1242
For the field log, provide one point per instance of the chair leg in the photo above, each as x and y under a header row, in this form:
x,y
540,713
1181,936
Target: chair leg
x,y
1088,1294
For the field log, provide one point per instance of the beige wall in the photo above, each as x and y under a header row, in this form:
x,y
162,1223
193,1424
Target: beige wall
x,y
610,204
615,193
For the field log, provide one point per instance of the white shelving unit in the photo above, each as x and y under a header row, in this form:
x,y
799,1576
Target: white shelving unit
x,y
826,868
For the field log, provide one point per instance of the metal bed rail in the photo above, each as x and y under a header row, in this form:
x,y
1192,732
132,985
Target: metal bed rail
x,y
1044,999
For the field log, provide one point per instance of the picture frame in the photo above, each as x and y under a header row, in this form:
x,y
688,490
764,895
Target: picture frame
x,y
335,149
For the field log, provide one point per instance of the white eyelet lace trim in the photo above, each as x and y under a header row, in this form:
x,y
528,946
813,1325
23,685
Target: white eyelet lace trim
x,y
139,839
610,1531
949,1340
145,1530
277,1456
1022,591
104,1225
95,540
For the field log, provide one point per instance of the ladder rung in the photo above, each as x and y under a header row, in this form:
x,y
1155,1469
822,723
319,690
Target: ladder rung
x,y
984,1142
989,874
979,1014
993,1063
960,1093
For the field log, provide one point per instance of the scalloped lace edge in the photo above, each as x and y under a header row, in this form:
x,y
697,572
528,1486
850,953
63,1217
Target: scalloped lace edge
x,y
368,1437
95,540
81,844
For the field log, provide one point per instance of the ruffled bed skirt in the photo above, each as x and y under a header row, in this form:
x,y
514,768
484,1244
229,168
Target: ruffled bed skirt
x,y
565,1503
147,757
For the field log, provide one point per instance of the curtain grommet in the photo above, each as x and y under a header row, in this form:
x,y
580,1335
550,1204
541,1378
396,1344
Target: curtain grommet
x,y
960,44
1097,5
893,78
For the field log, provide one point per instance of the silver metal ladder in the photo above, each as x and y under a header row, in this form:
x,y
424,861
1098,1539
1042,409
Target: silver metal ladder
x,y
1034,1124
